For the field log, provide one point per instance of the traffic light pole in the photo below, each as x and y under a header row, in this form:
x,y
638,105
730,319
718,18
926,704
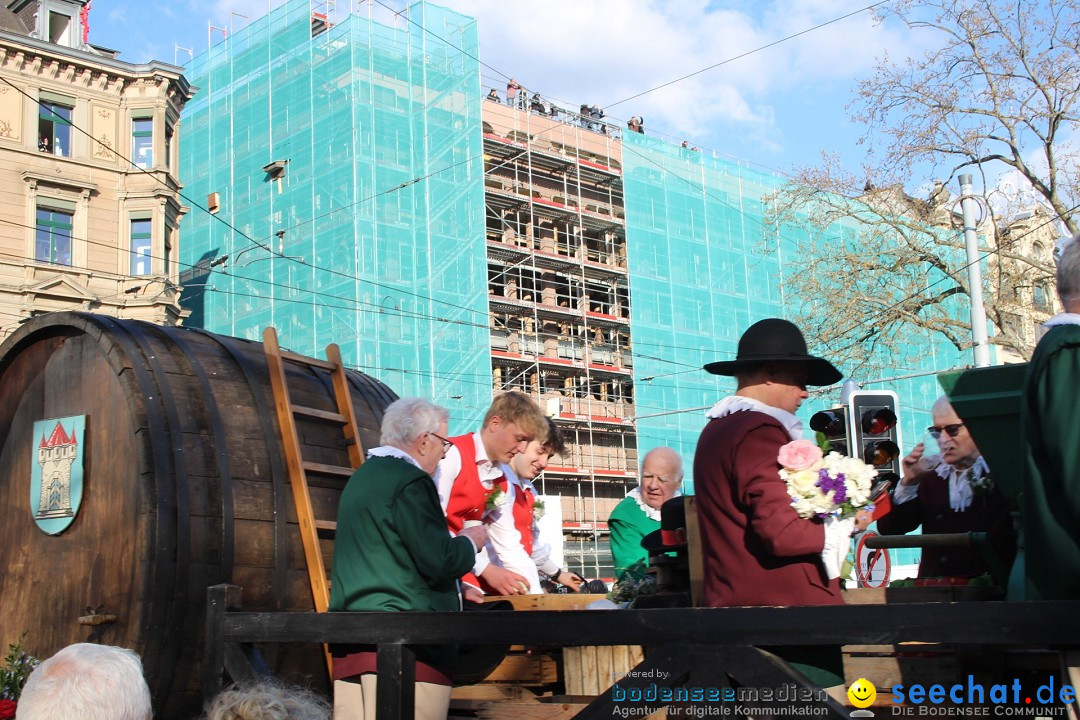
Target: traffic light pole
x,y
971,242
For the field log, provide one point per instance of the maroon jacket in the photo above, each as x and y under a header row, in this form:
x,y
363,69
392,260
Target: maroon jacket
x,y
757,550
988,512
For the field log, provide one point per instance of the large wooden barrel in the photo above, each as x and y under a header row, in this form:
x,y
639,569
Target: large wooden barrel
x,y
184,486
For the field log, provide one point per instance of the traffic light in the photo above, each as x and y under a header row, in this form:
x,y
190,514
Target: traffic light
x,y
876,431
833,425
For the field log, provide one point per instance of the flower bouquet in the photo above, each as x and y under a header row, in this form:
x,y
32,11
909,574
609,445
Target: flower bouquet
x,y
829,487
824,486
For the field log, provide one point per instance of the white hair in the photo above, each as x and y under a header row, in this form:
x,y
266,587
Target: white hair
x,y
267,700
406,419
1068,272
941,406
667,455
85,680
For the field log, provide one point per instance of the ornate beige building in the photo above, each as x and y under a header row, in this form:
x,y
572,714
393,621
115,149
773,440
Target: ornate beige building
x,y
90,204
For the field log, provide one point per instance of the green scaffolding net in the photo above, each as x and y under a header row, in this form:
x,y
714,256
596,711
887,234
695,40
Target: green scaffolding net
x,y
347,165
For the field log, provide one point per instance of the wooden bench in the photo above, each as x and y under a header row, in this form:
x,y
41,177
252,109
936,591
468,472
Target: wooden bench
x,y
697,647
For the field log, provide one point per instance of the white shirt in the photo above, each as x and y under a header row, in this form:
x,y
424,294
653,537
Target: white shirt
x,y
960,492
1063,319
505,545
448,470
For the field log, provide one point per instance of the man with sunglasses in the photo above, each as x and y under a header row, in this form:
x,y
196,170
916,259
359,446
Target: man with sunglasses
x,y
1050,417
951,492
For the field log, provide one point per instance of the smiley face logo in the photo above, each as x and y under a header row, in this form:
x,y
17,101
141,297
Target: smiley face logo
x,y
862,693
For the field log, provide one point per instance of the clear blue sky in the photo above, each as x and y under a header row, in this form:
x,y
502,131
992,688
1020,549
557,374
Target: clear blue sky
x,y
779,107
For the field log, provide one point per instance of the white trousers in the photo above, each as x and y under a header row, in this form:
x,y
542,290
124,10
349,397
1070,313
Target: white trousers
x,y
356,700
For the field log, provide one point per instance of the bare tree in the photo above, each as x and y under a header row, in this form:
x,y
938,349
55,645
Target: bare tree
x,y
997,89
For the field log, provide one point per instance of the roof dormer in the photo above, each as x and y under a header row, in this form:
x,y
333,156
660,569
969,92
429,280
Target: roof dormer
x,y
61,22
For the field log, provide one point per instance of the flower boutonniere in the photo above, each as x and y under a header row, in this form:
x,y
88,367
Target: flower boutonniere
x,y
538,510
980,484
496,499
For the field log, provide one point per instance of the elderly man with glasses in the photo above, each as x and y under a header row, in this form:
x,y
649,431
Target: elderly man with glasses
x,y
951,492
638,514
392,552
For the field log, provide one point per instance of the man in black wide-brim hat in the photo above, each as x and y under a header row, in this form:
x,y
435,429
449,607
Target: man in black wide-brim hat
x,y
756,548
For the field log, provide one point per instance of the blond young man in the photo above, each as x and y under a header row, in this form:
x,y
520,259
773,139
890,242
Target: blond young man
x,y
471,473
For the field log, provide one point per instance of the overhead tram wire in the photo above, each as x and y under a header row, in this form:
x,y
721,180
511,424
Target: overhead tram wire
x,y
269,248
354,304
745,54
256,243
694,185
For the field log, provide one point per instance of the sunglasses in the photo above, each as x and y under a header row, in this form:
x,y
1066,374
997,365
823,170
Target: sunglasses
x,y
952,430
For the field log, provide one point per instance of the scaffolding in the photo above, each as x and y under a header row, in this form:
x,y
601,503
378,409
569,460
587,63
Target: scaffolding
x,y
455,247
343,157
559,303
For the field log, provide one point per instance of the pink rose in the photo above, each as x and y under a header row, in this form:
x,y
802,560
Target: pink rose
x,y
800,455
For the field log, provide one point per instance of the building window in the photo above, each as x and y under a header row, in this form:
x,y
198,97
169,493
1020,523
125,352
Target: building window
x,y
60,29
168,146
166,247
54,127
1042,298
140,246
142,142
53,236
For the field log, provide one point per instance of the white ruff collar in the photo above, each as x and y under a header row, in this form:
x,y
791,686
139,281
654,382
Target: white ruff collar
x,y
650,512
394,452
960,491
1063,319
738,403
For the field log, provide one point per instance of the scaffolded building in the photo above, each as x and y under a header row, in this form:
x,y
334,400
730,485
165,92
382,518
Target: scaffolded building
x,y
360,190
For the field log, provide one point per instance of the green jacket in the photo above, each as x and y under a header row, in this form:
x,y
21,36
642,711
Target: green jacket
x,y
392,550
628,525
1050,416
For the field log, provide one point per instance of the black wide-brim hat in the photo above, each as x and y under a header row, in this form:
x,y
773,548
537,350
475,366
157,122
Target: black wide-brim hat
x,y
672,532
775,340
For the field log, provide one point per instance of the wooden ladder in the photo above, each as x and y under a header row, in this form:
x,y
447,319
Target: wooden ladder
x,y
299,469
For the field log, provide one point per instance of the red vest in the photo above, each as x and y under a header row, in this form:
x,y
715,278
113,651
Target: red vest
x,y
468,496
523,516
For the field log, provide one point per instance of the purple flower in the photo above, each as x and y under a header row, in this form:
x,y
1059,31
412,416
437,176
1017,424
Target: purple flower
x,y
827,482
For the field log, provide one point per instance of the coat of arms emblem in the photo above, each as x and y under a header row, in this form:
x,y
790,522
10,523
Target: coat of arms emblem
x,y
56,481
